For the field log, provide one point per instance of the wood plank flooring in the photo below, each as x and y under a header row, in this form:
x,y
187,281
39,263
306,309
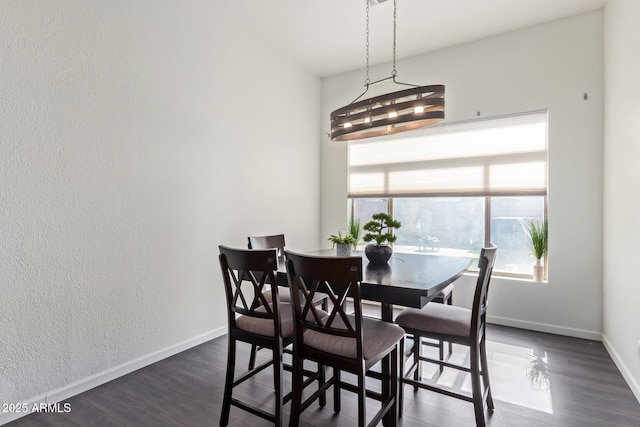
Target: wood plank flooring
x,y
538,380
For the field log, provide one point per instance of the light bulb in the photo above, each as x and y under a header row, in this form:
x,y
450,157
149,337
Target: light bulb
x,y
393,115
347,125
419,109
367,119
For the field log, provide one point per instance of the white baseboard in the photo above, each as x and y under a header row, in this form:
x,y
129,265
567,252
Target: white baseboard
x,y
622,367
87,383
544,327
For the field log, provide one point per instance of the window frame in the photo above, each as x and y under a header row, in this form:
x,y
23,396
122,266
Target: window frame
x,y
486,230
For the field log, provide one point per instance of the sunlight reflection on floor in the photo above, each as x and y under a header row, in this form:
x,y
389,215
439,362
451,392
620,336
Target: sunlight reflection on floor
x,y
519,375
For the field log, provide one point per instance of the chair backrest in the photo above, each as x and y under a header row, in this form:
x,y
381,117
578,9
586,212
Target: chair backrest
x,y
275,241
339,278
257,267
479,309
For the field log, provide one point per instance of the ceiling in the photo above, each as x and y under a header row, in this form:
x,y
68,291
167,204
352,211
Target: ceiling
x,y
328,36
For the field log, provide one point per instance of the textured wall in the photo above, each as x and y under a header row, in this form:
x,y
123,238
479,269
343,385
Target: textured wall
x,y
126,157
550,67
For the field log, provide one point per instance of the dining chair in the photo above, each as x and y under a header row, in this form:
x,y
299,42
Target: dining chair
x,y
277,242
458,325
349,343
274,241
254,320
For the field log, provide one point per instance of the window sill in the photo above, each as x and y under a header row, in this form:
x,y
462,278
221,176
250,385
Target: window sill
x,y
508,276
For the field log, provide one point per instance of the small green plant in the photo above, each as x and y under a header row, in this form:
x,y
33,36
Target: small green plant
x,y
347,239
538,234
355,230
378,229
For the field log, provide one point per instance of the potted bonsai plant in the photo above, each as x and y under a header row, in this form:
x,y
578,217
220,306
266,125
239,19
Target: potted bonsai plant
x,y
378,231
343,244
538,233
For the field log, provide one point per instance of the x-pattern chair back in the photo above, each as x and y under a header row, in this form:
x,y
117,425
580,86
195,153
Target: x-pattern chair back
x,y
241,276
246,272
340,279
338,298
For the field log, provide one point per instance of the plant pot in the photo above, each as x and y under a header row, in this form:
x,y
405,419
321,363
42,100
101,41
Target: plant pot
x,y
538,271
343,249
378,255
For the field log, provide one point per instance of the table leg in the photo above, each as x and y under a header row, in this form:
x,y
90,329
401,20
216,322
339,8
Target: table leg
x,y
391,418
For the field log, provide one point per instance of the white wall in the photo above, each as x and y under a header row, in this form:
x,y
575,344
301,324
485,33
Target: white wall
x,y
549,67
134,138
621,332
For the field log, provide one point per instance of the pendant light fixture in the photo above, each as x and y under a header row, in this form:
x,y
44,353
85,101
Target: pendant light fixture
x,y
412,108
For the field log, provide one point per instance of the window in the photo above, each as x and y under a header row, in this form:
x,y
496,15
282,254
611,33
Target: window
x,y
459,186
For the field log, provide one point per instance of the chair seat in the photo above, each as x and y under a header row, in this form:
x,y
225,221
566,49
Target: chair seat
x,y
378,339
437,318
265,326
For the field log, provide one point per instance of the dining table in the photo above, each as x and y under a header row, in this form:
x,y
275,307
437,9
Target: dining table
x,y
408,279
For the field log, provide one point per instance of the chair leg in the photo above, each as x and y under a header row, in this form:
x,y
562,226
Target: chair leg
x,y
485,373
400,383
478,402
336,391
321,381
447,301
252,356
228,385
450,302
395,383
297,386
387,374
277,383
362,393
417,374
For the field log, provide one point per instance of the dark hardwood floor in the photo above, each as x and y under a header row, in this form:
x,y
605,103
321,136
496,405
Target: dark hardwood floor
x,y
538,380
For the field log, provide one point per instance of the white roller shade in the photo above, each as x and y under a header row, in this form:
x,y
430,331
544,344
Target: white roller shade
x,y
498,156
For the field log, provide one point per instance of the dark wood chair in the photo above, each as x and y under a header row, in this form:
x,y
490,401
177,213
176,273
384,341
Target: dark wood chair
x,y
458,325
254,320
277,242
350,343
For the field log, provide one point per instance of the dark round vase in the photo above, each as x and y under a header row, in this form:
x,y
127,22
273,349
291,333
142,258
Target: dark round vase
x,y
378,255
